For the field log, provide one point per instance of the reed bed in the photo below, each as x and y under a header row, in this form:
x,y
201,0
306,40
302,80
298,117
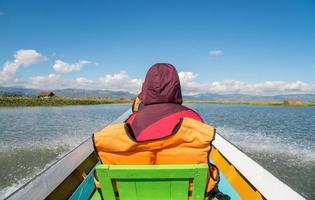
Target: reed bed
x,y
57,101
65,101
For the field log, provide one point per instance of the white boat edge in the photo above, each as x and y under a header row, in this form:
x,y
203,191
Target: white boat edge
x,y
268,185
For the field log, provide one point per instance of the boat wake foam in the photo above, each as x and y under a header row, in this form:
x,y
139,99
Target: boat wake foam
x,y
30,159
262,144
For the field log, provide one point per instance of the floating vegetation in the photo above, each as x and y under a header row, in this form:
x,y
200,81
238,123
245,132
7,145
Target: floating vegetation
x,y
57,101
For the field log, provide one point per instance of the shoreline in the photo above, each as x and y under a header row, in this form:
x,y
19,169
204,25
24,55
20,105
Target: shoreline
x,y
67,101
256,103
57,101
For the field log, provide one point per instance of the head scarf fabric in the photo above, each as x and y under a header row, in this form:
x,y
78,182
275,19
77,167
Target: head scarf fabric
x,y
161,85
161,108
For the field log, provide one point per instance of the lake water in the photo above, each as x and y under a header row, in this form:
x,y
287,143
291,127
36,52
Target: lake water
x,y
281,139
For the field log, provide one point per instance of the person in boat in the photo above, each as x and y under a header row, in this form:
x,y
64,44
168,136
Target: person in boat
x,y
158,108
160,130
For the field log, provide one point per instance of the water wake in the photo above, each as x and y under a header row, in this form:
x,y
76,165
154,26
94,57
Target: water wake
x,y
262,144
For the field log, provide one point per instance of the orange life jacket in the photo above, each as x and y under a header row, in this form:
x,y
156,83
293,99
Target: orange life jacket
x,y
189,144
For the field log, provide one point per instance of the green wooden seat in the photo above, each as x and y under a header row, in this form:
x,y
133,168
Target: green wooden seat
x,y
143,182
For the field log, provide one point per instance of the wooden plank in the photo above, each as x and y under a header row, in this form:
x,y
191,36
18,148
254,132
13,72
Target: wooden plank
x,y
237,181
73,181
152,171
127,189
154,189
199,183
85,189
141,182
137,189
106,183
179,188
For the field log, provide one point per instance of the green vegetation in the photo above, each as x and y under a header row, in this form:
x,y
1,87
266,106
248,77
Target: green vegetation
x,y
57,101
261,103
64,101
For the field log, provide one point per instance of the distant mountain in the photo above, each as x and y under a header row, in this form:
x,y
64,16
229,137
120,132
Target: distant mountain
x,y
93,93
245,97
121,94
66,92
18,91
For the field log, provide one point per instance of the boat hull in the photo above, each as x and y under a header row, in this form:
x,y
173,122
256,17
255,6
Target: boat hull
x,y
71,177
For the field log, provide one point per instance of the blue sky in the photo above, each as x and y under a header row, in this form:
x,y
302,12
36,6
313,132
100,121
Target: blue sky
x,y
254,47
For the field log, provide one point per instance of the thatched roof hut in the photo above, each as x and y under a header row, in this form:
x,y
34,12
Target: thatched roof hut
x,y
292,103
45,94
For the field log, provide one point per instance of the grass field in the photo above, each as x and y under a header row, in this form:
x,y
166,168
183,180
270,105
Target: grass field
x,y
57,101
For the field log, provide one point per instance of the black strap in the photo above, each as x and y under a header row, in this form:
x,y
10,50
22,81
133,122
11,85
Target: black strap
x,y
100,192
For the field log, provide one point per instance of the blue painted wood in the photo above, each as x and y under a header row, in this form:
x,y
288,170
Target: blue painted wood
x,y
85,189
225,187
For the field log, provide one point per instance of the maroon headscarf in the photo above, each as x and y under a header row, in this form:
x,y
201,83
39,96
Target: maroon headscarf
x,y
161,85
161,110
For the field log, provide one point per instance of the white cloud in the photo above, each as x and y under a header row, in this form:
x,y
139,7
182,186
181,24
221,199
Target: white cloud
x,y
8,73
52,81
216,52
28,57
63,67
187,76
281,87
190,86
55,81
120,81
25,57
264,88
114,78
228,86
82,82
